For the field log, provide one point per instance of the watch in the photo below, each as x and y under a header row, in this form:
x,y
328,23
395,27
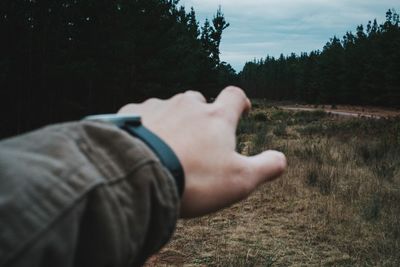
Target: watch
x,y
133,125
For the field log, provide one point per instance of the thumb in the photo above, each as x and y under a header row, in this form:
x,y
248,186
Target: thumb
x,y
266,166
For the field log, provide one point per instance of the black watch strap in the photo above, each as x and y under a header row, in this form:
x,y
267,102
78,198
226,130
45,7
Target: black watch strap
x,y
133,125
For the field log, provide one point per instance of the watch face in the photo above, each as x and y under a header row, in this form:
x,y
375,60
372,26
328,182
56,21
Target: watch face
x,y
119,120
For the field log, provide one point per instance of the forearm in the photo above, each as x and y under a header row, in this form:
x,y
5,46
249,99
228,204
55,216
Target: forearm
x,y
84,194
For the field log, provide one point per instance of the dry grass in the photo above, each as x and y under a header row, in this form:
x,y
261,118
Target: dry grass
x,y
337,205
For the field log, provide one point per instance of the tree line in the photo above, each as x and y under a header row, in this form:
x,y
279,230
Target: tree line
x,y
62,60
361,68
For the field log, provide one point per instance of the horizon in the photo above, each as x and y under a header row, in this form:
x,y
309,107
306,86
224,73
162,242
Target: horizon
x,y
261,28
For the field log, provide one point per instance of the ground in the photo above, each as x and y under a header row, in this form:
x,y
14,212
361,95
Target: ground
x,y
337,204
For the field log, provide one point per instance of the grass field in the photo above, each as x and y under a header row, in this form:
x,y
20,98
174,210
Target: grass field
x,y
337,205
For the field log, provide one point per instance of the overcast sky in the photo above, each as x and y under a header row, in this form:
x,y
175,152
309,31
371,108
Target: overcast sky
x,y
271,27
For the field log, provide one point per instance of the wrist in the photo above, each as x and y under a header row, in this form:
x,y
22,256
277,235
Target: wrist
x,y
132,124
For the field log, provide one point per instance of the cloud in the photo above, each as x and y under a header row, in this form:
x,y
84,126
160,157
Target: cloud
x,y
261,27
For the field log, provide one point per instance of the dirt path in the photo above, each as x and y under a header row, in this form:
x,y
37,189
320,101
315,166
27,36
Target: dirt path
x,y
351,111
340,113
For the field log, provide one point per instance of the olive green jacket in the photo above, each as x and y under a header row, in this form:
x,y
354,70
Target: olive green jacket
x,y
82,194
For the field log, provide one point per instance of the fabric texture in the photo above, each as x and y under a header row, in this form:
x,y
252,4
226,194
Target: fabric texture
x,y
83,194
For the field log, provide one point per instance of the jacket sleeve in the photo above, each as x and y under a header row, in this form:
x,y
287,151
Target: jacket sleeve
x,y
82,194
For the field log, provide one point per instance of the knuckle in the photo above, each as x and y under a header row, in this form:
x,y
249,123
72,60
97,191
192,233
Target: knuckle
x,y
127,108
178,97
195,95
191,92
236,91
151,101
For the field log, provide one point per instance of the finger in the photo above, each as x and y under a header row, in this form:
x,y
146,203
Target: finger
x,y
265,166
234,101
196,96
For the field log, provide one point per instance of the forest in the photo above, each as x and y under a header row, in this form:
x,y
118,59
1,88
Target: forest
x,y
63,60
361,68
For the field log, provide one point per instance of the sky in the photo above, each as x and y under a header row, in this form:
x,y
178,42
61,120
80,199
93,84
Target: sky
x,y
270,27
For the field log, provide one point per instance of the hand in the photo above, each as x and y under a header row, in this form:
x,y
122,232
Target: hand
x,y
203,137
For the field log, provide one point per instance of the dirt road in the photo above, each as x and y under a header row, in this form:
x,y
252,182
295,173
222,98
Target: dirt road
x,y
340,113
350,111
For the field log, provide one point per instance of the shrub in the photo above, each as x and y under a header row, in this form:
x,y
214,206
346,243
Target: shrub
x,y
260,117
384,170
313,129
280,130
261,141
321,179
246,126
309,116
371,210
240,144
372,151
311,153
396,133
312,178
281,115
325,185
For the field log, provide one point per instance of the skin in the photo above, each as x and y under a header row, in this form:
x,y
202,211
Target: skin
x,y
203,137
